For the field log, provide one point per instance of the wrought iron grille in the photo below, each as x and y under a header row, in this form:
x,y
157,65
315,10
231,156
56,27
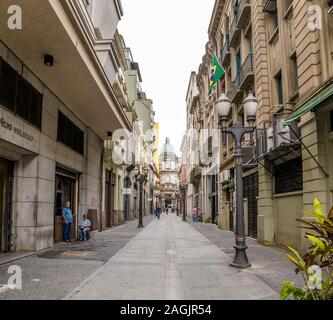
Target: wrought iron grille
x,y
289,176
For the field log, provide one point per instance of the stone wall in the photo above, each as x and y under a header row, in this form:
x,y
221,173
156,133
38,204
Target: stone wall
x,y
35,160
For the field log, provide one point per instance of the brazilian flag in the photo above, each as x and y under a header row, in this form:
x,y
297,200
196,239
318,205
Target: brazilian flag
x,y
216,73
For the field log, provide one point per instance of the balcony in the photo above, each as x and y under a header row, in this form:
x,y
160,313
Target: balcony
x,y
236,93
234,32
244,78
120,90
225,54
243,13
270,6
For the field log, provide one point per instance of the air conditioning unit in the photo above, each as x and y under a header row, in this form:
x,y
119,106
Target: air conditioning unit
x,y
224,176
270,138
283,134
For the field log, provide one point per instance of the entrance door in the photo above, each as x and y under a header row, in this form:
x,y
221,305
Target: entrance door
x,y
65,191
251,192
109,192
214,200
6,184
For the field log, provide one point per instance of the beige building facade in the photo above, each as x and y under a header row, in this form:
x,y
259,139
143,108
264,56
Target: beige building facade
x,y
282,52
60,100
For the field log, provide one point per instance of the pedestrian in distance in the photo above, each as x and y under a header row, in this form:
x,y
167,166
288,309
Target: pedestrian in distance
x,y
195,214
67,216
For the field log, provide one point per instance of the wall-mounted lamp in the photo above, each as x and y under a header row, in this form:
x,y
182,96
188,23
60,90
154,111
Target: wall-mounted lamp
x,y
48,60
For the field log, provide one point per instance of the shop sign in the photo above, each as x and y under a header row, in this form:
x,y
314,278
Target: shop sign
x,y
17,131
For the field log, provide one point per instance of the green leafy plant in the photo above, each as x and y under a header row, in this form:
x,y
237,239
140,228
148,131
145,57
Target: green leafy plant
x,y
318,258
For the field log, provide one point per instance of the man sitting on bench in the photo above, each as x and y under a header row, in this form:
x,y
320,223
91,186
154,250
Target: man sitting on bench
x,y
84,227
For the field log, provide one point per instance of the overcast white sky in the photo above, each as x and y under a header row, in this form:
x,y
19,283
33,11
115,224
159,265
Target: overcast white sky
x,y
167,38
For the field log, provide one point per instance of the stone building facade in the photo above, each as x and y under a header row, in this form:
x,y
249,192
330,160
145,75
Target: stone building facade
x,y
60,101
169,177
282,52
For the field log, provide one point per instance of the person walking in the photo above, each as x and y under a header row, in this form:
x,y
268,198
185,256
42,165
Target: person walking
x,y
67,216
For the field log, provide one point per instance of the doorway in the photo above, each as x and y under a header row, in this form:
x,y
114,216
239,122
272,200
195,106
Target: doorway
x,y
6,191
110,183
66,190
214,199
251,192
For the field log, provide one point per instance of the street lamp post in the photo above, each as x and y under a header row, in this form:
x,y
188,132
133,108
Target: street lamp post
x,y
183,196
223,106
177,206
141,179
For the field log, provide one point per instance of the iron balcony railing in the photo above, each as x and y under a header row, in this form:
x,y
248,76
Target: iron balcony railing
x,y
234,31
243,12
235,85
245,70
225,49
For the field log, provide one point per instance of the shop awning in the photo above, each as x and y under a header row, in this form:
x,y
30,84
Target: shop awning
x,y
311,104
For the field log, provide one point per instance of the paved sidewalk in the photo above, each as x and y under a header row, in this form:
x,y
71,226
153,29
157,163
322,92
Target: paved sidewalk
x,y
53,273
269,263
170,259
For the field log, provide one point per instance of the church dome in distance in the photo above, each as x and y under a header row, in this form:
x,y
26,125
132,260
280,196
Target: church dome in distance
x,y
168,151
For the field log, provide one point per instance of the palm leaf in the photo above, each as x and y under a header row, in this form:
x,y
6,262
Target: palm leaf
x,y
298,256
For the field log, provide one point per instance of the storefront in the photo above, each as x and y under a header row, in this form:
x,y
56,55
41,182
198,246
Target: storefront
x,y
67,186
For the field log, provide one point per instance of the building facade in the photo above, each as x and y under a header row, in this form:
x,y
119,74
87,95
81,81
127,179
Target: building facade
x,y
169,177
282,52
57,107
66,104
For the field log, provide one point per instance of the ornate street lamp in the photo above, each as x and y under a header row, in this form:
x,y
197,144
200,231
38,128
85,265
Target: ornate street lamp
x,y
141,178
223,106
183,199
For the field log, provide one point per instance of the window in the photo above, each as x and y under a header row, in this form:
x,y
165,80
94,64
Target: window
x,y
294,74
69,134
18,96
275,18
279,87
238,61
7,86
289,176
270,6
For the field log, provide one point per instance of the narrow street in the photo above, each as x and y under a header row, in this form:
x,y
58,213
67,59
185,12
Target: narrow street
x,y
168,259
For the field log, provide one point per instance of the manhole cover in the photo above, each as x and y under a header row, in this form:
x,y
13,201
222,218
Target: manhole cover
x,y
75,253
